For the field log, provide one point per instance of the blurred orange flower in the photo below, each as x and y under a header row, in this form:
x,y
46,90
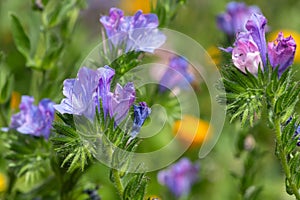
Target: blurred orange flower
x,y
286,33
15,100
131,6
190,126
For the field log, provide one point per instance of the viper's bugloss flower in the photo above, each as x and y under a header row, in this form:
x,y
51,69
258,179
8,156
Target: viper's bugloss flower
x,y
107,74
296,36
245,54
256,26
120,101
179,177
141,112
235,17
90,87
250,48
80,94
297,132
177,75
138,32
281,52
33,120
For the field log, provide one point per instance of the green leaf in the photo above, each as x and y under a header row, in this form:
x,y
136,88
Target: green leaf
x,y
6,84
20,37
136,188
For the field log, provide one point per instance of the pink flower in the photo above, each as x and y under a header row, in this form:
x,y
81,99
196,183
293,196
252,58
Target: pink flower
x,y
246,55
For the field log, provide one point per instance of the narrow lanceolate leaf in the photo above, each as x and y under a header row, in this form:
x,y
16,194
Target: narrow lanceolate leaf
x,y
20,37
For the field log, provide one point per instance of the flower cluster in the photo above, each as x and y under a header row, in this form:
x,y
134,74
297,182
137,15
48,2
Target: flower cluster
x,y
250,49
33,120
138,32
180,177
91,87
177,75
83,93
235,17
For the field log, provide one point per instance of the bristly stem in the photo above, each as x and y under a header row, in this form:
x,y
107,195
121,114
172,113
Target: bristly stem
x,y
117,182
283,159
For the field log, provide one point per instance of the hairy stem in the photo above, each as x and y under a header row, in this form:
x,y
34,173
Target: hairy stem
x,y
283,159
117,182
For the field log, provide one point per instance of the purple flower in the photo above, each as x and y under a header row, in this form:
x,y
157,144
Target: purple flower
x,y
120,101
179,177
141,113
235,17
138,32
80,94
297,132
140,20
176,75
245,54
281,52
107,74
116,25
33,120
256,26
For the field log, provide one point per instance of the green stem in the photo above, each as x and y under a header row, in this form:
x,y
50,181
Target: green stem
x,y
283,159
117,182
36,80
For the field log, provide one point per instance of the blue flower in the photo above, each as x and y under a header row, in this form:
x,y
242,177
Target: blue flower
x,y
120,101
83,95
179,177
177,75
107,75
80,94
297,132
139,32
256,26
235,17
141,113
34,120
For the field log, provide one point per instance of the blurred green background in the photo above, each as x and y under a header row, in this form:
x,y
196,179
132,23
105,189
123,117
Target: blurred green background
x,y
197,20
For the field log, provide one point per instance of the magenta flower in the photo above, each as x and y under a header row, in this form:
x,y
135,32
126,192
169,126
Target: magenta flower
x,y
179,177
235,17
33,120
177,75
245,54
138,32
141,112
281,52
120,101
256,26
80,94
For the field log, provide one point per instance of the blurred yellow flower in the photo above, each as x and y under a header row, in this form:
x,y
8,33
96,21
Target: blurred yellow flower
x,y
153,197
15,100
273,35
131,6
186,128
215,54
3,182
